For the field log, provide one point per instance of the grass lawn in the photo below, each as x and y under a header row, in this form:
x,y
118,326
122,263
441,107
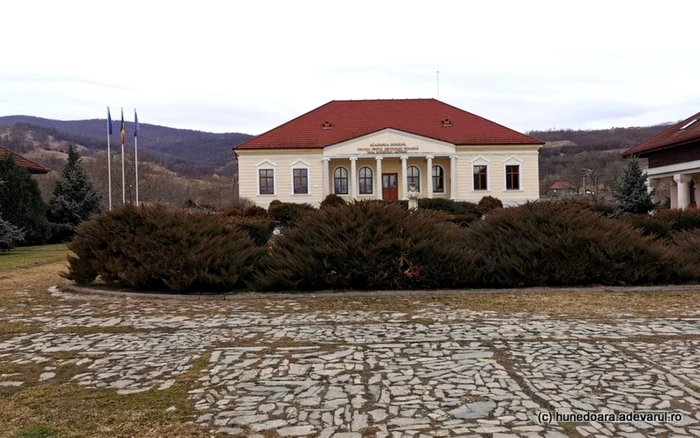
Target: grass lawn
x,y
32,255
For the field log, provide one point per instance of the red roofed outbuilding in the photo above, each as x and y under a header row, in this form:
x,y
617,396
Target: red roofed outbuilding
x,y
374,149
31,166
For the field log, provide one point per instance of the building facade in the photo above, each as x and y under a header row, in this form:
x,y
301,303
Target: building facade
x,y
673,156
374,149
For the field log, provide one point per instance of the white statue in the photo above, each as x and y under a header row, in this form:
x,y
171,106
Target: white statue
x,y
412,196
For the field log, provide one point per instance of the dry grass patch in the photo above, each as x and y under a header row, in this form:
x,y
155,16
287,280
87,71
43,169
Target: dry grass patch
x,y
30,256
70,410
579,304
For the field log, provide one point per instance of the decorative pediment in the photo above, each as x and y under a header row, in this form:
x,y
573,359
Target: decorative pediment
x,y
266,163
390,142
300,163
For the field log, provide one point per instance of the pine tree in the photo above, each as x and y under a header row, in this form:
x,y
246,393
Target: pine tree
x,y
20,201
632,195
74,199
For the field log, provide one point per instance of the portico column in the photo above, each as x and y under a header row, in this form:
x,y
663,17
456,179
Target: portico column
x,y
453,177
353,172
683,182
429,159
404,177
326,172
379,178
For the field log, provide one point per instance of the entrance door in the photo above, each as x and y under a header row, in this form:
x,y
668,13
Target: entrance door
x,y
390,188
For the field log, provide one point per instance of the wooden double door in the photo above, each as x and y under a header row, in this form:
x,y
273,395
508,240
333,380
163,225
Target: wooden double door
x,y
390,186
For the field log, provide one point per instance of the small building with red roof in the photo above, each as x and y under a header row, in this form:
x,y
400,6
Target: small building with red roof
x,y
673,155
376,149
31,166
561,188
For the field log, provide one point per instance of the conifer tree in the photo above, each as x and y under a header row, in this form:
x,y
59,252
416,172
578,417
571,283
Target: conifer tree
x,y
10,235
20,201
632,196
74,199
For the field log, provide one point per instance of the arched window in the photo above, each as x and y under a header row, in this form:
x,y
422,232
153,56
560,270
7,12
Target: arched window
x,y
365,181
413,176
340,181
438,179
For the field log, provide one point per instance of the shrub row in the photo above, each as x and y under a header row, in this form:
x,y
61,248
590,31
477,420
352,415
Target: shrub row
x,y
153,248
375,245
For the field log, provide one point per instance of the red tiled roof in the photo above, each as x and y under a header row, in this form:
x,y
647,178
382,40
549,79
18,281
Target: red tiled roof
x,y
353,118
31,166
562,185
672,136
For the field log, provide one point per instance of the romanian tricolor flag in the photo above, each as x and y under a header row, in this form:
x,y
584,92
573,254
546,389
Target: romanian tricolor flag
x,y
123,130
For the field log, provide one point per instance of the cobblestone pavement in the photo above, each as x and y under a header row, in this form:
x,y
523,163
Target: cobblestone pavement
x,y
437,371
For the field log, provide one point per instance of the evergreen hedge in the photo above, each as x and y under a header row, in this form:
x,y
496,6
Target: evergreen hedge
x,y
367,245
289,213
154,248
662,223
381,245
551,243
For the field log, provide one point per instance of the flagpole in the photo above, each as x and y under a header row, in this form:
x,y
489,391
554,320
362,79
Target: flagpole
x,y
109,159
123,174
136,153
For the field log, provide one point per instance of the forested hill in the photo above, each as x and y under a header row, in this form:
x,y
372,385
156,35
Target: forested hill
x,y
169,146
597,139
597,153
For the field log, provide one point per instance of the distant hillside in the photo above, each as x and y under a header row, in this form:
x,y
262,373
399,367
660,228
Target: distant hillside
x,y
185,151
568,154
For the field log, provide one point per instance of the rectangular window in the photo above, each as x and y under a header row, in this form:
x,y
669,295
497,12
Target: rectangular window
x,y
301,181
266,178
480,177
513,177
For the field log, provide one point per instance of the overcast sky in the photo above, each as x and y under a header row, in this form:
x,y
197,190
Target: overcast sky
x,y
248,66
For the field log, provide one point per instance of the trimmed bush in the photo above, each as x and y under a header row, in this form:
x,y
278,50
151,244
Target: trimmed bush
x,y
449,206
549,243
153,248
591,203
289,213
688,245
259,229
463,220
487,204
367,245
255,211
662,223
232,212
332,200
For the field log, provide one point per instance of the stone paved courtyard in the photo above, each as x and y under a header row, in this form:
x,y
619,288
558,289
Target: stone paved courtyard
x,y
277,368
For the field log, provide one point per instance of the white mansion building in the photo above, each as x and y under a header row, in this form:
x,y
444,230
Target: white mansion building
x,y
374,149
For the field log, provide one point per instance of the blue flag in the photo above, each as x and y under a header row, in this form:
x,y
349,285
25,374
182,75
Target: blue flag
x,y
109,122
136,124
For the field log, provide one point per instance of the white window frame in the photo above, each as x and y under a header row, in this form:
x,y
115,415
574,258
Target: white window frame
x,y
444,179
300,164
357,181
513,161
481,161
347,172
266,165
